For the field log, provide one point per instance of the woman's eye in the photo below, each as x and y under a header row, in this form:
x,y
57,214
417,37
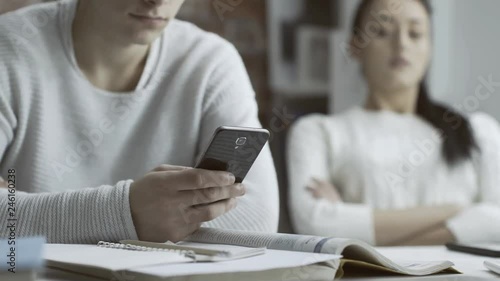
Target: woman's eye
x,y
382,32
415,35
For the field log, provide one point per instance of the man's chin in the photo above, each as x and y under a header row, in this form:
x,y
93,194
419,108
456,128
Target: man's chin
x,y
141,34
145,37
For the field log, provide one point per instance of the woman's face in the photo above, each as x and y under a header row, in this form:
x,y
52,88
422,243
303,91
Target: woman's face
x,y
394,46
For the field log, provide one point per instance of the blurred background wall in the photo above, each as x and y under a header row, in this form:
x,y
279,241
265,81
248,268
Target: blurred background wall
x,y
476,43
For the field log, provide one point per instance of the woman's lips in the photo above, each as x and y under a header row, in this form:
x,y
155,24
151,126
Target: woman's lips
x,y
399,62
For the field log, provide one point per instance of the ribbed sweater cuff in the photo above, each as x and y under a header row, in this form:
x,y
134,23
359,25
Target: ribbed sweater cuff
x,y
128,223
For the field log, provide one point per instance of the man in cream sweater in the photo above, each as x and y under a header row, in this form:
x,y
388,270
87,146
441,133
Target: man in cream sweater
x,y
103,107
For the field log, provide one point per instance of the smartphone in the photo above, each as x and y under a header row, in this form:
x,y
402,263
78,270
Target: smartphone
x,y
487,250
234,150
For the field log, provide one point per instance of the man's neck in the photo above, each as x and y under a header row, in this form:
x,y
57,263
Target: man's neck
x,y
108,64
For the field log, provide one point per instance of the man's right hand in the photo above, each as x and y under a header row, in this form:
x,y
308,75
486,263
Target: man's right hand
x,y
171,202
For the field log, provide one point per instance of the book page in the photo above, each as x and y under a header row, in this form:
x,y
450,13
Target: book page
x,y
354,268
354,250
276,241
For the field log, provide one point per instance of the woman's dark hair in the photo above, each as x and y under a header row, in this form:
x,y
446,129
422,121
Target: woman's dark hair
x,y
459,141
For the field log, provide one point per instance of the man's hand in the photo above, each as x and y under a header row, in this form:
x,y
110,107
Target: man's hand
x,y
322,189
171,202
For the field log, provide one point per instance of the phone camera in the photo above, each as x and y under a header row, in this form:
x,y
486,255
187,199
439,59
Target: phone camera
x,y
241,141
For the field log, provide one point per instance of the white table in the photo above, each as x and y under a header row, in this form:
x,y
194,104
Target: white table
x,y
471,266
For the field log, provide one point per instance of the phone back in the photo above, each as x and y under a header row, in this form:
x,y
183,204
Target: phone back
x,y
234,150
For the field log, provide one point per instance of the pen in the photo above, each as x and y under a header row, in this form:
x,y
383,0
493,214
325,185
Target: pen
x,y
198,251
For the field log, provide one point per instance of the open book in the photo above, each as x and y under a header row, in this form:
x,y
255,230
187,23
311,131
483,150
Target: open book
x,y
357,256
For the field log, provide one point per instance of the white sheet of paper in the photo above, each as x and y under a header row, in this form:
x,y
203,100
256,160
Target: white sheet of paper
x,y
272,259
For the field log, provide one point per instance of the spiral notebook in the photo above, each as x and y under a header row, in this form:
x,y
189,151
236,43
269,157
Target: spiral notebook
x,y
112,261
107,259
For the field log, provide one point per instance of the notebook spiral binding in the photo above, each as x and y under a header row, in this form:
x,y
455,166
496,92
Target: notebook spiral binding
x,y
109,245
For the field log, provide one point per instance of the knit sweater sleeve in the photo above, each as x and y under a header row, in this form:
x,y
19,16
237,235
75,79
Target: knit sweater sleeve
x,y
8,121
230,101
81,216
485,213
308,152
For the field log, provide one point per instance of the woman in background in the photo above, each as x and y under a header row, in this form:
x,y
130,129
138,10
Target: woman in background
x,y
401,169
